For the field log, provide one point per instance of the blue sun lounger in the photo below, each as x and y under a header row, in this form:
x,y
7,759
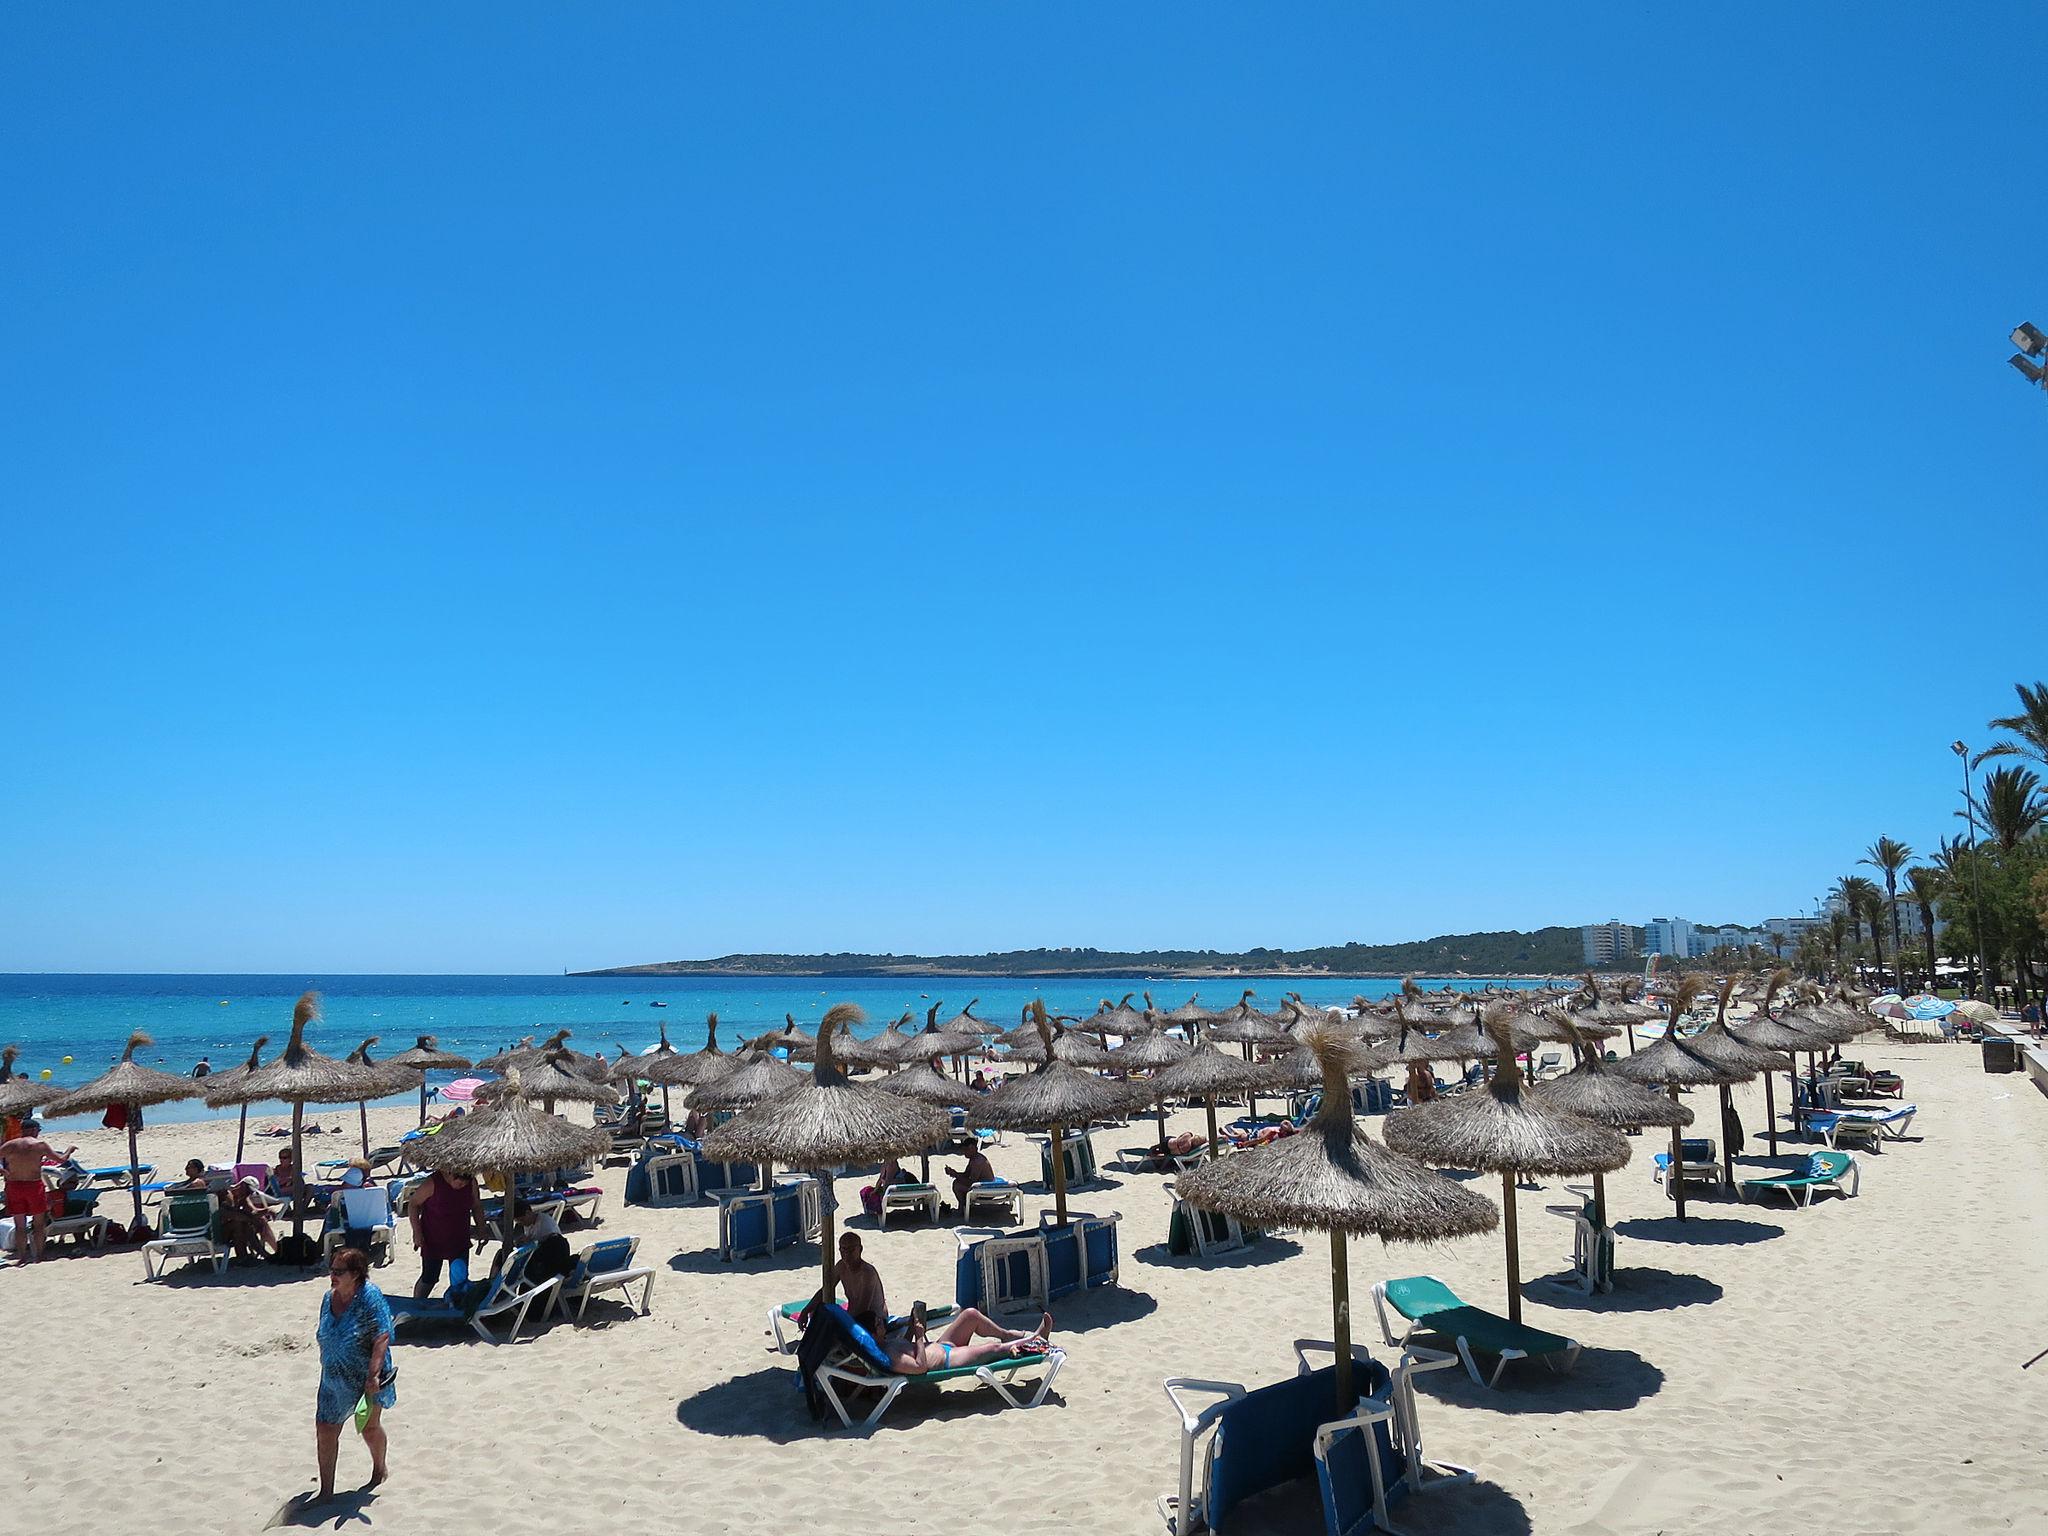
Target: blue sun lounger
x,y
1250,1441
1430,1306
506,1291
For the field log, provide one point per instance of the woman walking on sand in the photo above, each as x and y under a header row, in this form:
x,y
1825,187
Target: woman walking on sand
x,y
355,1346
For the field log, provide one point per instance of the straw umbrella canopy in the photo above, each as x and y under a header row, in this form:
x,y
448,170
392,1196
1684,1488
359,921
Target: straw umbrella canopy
x,y
1190,1016
511,1136
1335,1178
791,1038
1051,1097
1768,1033
1245,1027
828,1122
395,1079
1118,1018
20,1094
687,1069
1147,1053
1205,1073
1672,1064
300,1076
553,1079
1592,1092
891,1048
132,1087
753,1078
236,1074
1610,1013
1717,1045
965,1022
1506,1131
1066,1046
512,1056
926,1084
427,1056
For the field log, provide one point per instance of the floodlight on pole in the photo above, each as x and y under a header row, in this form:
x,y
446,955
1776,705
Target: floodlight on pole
x,y
2030,339
2033,344
1976,880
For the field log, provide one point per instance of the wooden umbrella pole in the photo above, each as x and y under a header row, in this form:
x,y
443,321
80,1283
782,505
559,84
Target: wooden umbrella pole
x,y
134,1165
1677,1182
423,1098
241,1134
1059,1173
1209,1102
1727,1141
1160,1104
363,1113
1251,1098
1599,1203
1340,1317
824,1231
298,1172
1771,1114
1507,1212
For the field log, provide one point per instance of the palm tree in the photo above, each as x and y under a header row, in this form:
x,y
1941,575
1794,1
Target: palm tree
x,y
1890,855
1777,942
1860,896
1924,884
2012,806
1838,933
2030,725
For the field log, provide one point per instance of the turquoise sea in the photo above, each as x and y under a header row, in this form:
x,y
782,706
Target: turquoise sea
x,y
89,1018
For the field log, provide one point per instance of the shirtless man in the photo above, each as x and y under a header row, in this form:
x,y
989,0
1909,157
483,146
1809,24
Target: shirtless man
x,y
977,1171
28,1198
969,1338
862,1283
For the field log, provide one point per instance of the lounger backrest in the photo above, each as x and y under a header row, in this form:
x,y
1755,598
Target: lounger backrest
x,y
1420,1295
366,1207
1268,1437
188,1216
613,1253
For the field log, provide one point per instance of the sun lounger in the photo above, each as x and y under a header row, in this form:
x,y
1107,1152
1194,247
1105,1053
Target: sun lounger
x,y
865,1367
1247,1442
116,1177
999,1271
1006,1197
1079,1149
1870,1127
189,1228
366,1209
663,1177
782,1322
1427,1305
753,1223
1592,1248
1701,1162
1082,1255
505,1291
1817,1171
913,1198
606,1266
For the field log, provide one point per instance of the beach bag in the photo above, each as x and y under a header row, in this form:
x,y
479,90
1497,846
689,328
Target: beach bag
x,y
388,1377
300,1250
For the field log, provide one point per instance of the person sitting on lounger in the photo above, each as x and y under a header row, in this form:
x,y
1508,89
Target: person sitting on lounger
x,y
1175,1146
195,1175
862,1283
286,1182
245,1219
892,1174
978,1171
969,1338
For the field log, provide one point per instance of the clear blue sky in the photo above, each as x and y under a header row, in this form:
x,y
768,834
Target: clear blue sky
x,y
512,486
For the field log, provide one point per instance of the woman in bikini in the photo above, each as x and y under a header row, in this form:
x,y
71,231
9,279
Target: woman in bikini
x,y
969,1338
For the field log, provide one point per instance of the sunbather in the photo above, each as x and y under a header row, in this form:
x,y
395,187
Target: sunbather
x,y
1175,1146
195,1176
978,1171
969,1337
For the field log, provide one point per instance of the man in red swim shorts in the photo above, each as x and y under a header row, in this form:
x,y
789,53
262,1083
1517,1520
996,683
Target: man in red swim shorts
x,y
28,1198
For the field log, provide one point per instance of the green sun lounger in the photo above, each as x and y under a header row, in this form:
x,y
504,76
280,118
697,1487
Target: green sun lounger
x,y
1427,1305
782,1322
854,1371
1819,1170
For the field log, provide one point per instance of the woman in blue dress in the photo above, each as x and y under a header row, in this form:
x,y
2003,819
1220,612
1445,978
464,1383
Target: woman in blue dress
x,y
355,1341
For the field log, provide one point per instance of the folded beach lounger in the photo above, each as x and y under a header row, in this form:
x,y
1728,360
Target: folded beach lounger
x,y
1365,1457
1427,1305
863,1366
606,1266
508,1290
1079,1150
912,1199
1817,1171
782,1322
756,1223
188,1228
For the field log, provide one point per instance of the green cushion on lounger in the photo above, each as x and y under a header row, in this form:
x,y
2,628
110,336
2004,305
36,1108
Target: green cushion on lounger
x,y
1819,1168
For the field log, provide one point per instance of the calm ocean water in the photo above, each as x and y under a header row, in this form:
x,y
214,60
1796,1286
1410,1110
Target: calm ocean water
x,y
89,1018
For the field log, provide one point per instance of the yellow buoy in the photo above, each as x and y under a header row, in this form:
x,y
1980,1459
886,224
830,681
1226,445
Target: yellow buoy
x,y
46,1074
67,1061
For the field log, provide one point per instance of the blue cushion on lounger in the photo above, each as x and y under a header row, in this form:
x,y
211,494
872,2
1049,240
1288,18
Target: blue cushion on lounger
x,y
862,1341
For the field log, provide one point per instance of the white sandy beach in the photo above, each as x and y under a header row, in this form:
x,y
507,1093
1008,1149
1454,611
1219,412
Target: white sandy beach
x,y
1852,1367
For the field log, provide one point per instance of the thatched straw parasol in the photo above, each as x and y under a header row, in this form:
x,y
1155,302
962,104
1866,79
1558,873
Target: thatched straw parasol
x,y
1052,1096
831,1121
552,1079
132,1087
233,1075
300,1076
688,1069
1506,1131
1593,1093
513,1056
1245,1027
1118,1018
791,1037
1190,1016
1206,1073
1768,1033
753,1078
511,1136
1073,1049
891,1048
924,1083
395,1080
1147,1053
1671,1064
20,1094
1335,1178
1717,1045
427,1056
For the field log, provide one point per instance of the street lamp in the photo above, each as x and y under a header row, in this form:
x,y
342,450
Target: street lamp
x,y
2033,347
1970,811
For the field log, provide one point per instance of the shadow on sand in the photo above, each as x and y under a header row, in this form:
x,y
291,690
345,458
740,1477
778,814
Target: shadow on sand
x,y
768,1405
1635,1290
344,1509
1478,1508
705,1261
1267,1250
1697,1231
1604,1381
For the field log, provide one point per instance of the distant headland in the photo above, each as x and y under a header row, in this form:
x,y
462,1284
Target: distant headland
x,y
1545,952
